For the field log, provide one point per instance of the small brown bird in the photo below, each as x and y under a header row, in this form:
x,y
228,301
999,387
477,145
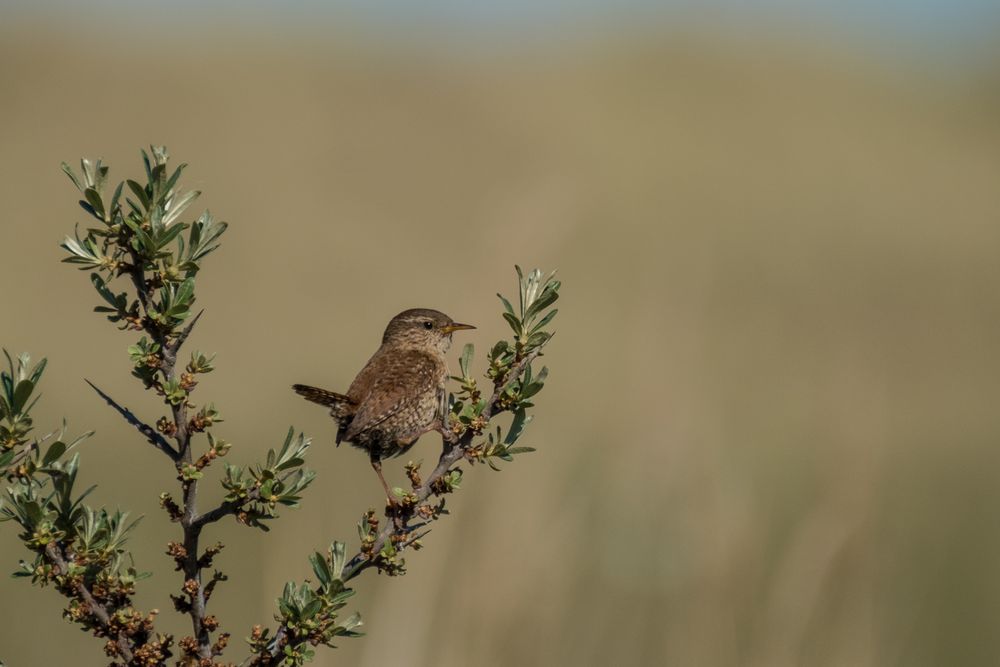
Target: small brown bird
x,y
400,393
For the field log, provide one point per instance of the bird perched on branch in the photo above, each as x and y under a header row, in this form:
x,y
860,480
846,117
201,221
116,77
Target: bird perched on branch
x,y
400,393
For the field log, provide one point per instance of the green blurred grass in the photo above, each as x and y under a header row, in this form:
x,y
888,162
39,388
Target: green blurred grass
x,y
770,434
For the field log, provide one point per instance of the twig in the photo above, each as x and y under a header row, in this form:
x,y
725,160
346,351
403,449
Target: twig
x,y
453,450
189,521
452,453
151,434
95,607
32,446
137,273
170,351
227,507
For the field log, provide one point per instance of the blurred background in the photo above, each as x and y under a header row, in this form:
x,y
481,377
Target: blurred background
x,y
770,435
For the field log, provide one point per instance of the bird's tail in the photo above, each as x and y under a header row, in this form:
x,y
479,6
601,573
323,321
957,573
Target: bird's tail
x,y
340,406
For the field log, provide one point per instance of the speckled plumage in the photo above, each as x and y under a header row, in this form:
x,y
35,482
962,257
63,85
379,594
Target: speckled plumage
x,y
399,394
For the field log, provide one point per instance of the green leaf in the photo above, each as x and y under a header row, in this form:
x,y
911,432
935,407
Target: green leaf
x,y
545,320
322,569
144,242
499,349
140,192
538,339
147,163
57,449
172,181
116,302
93,198
205,233
533,387
514,323
76,181
116,197
311,609
36,373
88,208
521,419
189,473
83,252
351,622
164,239
506,304
179,204
521,287
94,173
546,299
21,394
466,359
338,559
185,292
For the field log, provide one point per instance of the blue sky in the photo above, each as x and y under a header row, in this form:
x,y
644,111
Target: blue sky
x,y
921,22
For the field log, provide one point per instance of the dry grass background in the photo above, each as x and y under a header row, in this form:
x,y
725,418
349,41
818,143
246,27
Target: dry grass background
x,y
771,433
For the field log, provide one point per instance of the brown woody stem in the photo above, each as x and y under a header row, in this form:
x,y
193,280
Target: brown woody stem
x,y
55,556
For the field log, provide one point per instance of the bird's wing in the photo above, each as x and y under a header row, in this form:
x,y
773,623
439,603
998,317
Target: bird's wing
x,y
399,386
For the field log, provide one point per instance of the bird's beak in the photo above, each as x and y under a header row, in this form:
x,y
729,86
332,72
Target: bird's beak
x,y
455,326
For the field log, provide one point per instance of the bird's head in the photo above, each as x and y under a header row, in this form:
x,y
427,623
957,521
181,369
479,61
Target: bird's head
x,y
422,328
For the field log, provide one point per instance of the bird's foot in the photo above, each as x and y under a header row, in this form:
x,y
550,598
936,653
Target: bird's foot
x,y
394,510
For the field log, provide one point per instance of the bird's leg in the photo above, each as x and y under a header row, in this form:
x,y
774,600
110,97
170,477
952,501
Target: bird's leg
x,y
377,465
393,505
440,423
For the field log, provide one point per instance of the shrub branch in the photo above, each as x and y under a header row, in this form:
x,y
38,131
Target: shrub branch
x,y
124,647
141,241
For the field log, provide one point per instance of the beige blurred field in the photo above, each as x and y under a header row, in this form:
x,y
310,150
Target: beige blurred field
x,y
771,433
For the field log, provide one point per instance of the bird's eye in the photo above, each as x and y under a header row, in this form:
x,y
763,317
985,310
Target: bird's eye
x,y
428,324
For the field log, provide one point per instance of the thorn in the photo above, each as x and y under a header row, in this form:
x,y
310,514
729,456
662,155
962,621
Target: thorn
x,y
152,436
187,331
